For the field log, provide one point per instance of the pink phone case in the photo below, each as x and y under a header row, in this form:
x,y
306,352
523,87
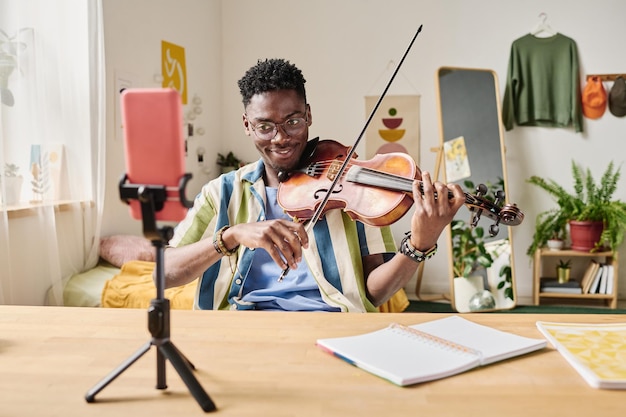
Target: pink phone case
x,y
154,145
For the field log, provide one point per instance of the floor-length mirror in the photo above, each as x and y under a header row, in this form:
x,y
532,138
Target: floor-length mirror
x,y
482,277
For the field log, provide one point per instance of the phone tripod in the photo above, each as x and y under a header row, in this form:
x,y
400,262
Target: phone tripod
x,y
159,310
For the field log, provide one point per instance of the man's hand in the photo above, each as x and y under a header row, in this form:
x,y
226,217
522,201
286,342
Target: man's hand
x,y
434,210
282,239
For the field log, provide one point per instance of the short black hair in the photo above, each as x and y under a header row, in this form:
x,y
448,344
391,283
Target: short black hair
x,y
270,75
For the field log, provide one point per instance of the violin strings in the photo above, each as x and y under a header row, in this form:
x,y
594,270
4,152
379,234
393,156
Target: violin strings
x,y
387,180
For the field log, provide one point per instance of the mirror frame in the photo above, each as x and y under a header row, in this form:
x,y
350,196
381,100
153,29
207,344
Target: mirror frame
x,y
500,134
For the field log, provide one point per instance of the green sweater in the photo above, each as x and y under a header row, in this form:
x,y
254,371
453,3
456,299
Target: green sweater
x,y
543,84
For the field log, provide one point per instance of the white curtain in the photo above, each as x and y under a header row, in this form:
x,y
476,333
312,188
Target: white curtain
x,y
52,118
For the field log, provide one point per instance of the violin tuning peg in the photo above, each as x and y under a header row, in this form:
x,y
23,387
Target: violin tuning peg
x,y
499,197
481,189
494,229
475,218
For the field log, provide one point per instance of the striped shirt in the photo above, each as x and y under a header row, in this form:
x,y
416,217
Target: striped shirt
x,y
239,197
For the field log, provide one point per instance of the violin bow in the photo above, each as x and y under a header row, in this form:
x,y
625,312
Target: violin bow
x,y
320,208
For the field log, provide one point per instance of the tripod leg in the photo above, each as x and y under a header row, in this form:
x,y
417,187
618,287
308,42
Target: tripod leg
x,y
191,365
161,382
181,364
91,394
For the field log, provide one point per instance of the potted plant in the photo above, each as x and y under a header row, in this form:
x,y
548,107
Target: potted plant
x,y
12,183
470,254
468,249
557,240
589,205
563,270
228,162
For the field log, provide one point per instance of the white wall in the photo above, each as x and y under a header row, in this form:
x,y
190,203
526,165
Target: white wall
x,y
344,49
133,34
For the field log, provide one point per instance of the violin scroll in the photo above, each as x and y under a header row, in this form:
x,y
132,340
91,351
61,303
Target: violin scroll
x,y
509,214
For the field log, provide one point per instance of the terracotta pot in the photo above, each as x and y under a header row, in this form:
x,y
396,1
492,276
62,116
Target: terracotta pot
x,y
585,234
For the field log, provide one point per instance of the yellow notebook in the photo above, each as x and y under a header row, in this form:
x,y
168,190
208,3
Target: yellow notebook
x,y
596,351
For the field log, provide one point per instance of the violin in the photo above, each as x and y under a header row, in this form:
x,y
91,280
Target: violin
x,y
376,191
330,177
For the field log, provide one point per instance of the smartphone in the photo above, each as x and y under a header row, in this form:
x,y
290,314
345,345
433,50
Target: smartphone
x,y
154,147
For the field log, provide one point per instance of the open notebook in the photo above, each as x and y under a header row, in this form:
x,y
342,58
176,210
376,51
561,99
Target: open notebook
x,y
596,351
437,349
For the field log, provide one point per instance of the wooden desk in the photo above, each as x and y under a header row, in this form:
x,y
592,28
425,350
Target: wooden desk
x,y
266,363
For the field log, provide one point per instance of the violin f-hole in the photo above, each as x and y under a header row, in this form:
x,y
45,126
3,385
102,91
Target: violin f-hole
x,y
337,190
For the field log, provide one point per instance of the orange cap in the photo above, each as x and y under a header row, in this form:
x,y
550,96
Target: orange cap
x,y
594,98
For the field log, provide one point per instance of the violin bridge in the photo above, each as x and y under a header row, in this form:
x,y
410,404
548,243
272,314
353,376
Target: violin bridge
x,y
333,170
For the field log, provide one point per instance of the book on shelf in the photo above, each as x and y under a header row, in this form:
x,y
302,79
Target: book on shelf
x,y
595,351
551,285
406,355
595,285
609,279
603,279
589,275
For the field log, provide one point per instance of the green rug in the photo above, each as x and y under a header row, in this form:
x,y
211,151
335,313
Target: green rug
x,y
435,307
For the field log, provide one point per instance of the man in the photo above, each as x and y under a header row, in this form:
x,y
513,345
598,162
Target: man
x,y
238,240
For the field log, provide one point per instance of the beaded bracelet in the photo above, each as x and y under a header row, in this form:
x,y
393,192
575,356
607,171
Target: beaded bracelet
x,y
220,246
407,249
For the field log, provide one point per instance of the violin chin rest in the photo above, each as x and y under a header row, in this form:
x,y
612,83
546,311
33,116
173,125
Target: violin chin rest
x,y
283,176
309,150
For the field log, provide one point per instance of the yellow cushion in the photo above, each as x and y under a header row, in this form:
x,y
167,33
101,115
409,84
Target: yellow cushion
x,y
134,287
396,304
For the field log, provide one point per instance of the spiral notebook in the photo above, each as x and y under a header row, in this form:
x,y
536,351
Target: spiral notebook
x,y
407,355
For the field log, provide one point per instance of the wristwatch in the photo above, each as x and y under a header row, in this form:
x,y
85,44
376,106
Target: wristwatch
x,y
407,249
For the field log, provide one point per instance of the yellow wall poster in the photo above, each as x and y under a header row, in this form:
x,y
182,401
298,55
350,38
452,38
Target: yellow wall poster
x,y
174,69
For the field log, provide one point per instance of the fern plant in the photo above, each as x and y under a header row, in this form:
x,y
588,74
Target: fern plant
x,y
588,202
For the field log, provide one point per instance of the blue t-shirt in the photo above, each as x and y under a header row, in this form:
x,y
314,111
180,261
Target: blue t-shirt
x,y
298,291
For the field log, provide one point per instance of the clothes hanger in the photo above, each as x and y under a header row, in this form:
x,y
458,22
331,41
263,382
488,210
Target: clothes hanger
x,y
543,28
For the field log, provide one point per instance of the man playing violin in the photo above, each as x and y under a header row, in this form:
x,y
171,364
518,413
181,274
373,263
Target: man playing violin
x,y
239,240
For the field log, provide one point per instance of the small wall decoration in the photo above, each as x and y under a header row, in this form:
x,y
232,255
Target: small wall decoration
x,y
394,127
46,169
40,181
456,161
174,69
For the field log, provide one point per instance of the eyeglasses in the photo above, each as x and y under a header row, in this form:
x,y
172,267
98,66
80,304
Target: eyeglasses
x,y
269,130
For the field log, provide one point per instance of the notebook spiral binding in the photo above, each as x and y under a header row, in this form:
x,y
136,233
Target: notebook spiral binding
x,y
447,344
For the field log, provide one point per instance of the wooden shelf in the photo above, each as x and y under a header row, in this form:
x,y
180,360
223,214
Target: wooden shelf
x,y
544,254
28,209
606,77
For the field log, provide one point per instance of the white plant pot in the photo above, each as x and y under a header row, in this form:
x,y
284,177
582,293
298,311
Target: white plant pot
x,y
225,169
555,244
464,289
13,190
